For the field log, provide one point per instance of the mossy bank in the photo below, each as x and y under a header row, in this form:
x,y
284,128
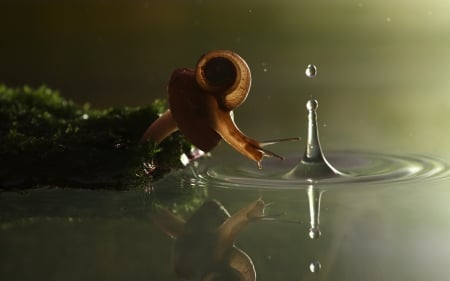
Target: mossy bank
x,y
47,140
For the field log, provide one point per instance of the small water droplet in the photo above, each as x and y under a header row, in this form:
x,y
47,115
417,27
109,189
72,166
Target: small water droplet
x,y
259,164
315,266
314,233
311,71
149,189
184,159
149,167
264,66
312,105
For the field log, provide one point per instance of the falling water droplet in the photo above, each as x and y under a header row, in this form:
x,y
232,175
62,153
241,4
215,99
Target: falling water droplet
x,y
315,266
311,71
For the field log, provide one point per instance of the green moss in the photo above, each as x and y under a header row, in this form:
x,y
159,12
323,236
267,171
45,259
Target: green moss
x,y
48,140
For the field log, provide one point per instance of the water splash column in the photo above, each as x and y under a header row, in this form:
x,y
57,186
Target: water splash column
x,y
313,164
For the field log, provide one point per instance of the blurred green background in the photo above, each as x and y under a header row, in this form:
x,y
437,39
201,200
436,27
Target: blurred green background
x,y
383,66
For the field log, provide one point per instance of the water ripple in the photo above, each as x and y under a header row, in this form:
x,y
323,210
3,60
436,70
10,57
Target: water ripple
x,y
358,168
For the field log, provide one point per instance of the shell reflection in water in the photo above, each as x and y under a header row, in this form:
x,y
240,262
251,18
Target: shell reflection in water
x,y
204,246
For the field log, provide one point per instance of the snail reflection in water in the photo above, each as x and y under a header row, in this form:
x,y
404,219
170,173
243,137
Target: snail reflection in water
x,y
204,247
201,102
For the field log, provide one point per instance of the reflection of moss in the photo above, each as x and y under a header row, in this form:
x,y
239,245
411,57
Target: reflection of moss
x,y
177,195
47,140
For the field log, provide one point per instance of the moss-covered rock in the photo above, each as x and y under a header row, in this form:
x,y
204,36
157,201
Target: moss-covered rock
x,y
48,140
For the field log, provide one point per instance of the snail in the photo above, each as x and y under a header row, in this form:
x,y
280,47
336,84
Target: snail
x,y
204,246
201,104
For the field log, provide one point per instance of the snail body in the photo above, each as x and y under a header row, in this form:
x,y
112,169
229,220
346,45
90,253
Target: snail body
x,y
204,247
201,102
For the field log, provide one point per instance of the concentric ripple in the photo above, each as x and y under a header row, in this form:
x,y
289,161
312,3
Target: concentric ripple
x,y
348,168
357,167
